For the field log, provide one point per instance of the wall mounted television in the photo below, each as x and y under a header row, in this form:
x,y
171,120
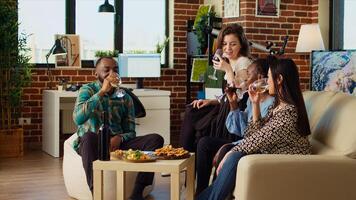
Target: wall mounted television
x,y
333,71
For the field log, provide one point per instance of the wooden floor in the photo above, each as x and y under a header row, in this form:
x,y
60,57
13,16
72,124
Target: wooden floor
x,y
38,176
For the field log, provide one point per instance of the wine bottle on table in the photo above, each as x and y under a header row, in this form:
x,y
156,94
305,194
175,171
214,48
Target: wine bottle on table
x,y
104,138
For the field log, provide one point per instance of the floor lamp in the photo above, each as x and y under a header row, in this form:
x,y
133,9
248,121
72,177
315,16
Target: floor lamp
x,y
309,39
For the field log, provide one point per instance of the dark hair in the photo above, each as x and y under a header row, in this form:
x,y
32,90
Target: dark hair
x,y
261,66
238,31
96,63
290,92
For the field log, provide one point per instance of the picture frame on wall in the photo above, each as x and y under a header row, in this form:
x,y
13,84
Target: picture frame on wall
x,y
70,42
267,8
231,8
333,71
199,68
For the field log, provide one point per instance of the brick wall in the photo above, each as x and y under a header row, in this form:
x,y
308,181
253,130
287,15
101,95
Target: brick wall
x,y
293,14
172,79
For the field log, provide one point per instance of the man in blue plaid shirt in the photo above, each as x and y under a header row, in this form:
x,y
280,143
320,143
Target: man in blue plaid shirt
x,y
99,96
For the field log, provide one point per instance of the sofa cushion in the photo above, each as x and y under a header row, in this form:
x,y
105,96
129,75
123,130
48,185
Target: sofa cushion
x,y
332,122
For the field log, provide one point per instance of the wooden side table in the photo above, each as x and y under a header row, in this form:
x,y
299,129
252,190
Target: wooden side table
x,y
168,166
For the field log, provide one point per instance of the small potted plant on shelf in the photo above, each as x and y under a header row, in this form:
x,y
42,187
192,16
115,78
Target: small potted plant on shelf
x,y
106,53
15,74
160,47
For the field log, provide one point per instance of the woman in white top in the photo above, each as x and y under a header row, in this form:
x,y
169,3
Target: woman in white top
x,y
207,116
236,52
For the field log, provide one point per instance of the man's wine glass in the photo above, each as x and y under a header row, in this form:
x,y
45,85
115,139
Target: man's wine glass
x,y
119,92
216,58
260,85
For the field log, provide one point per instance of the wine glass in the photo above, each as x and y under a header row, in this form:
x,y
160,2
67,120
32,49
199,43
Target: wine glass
x,y
116,84
220,97
260,85
240,89
216,58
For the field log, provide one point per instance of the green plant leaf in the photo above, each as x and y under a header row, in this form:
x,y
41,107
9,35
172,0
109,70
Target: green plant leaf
x,y
107,53
15,69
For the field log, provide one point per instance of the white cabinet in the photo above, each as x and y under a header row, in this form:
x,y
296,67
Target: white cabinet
x,y
157,120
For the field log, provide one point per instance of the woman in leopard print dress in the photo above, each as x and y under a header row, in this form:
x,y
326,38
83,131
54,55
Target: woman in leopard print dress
x,y
284,130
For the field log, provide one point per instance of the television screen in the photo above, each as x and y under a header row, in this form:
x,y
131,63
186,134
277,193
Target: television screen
x,y
334,71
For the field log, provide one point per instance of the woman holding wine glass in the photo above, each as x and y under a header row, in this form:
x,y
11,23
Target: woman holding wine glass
x,y
235,59
207,116
283,130
210,150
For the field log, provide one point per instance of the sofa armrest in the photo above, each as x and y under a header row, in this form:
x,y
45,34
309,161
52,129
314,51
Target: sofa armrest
x,y
295,177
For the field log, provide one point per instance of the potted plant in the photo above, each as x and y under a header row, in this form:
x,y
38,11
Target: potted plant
x,y
201,24
99,54
159,49
15,73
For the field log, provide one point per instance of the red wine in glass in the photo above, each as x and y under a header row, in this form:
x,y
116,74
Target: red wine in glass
x,y
216,58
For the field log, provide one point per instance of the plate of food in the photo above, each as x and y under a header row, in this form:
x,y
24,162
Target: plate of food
x,y
169,153
136,156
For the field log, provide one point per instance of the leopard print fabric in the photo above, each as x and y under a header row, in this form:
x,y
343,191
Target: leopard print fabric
x,y
276,133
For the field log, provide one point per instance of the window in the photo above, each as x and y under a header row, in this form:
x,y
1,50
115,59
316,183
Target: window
x,y
349,27
144,25
96,30
42,19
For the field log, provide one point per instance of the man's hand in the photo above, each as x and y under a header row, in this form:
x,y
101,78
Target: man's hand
x,y
106,87
115,142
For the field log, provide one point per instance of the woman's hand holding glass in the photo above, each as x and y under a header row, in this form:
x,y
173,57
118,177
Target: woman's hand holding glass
x,y
221,64
256,89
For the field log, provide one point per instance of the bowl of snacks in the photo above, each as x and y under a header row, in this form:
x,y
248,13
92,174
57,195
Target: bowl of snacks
x,y
170,153
135,156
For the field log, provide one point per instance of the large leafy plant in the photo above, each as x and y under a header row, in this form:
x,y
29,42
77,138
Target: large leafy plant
x,y
201,27
15,69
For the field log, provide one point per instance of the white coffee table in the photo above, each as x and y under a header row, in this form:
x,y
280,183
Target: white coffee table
x,y
168,166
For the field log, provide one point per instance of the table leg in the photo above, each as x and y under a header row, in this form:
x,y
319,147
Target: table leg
x,y
98,184
175,190
190,180
120,185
